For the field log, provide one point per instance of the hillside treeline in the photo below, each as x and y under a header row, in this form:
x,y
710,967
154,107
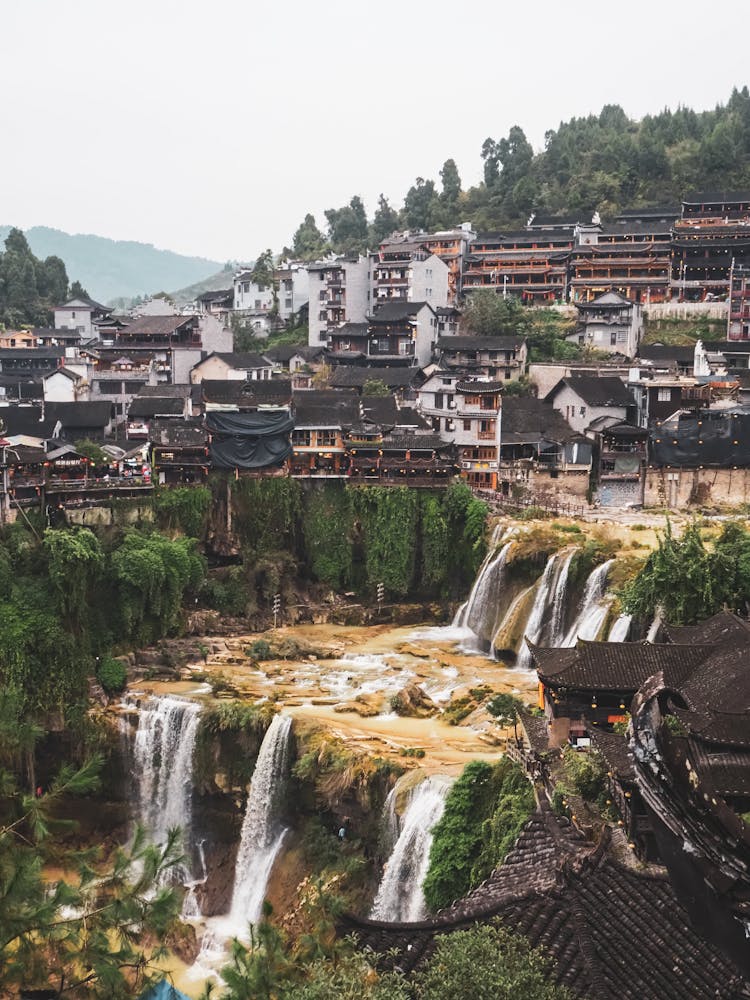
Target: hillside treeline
x,y
603,162
30,288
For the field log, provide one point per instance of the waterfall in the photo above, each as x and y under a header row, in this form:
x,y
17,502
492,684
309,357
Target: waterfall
x,y
399,896
472,611
262,834
163,761
620,629
558,602
536,618
594,607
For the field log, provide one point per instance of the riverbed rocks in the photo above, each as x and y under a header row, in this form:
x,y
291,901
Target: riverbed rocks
x,y
413,702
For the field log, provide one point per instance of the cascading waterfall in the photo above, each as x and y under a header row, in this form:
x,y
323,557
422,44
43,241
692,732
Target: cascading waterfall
x,y
262,833
558,602
163,760
536,617
620,629
483,588
594,606
399,896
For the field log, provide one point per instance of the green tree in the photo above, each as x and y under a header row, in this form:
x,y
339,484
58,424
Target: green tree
x,y
77,291
677,579
384,222
488,314
421,199
375,387
347,227
308,242
91,935
487,961
506,710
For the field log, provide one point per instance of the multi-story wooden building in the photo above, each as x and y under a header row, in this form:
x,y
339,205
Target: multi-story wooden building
x,y
531,265
711,237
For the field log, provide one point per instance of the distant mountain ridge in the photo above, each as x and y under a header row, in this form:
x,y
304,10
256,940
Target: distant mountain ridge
x,y
109,268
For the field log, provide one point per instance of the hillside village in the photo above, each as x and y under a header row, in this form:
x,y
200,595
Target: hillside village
x,y
392,387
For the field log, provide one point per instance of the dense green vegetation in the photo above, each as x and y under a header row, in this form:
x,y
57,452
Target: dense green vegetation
x,y
182,508
69,596
29,287
412,541
606,162
485,961
97,931
484,812
689,580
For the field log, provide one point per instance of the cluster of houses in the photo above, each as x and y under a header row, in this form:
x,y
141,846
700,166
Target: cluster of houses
x,y
167,400
390,388
698,251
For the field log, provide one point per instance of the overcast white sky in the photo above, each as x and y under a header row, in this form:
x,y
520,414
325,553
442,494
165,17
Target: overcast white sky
x,y
211,127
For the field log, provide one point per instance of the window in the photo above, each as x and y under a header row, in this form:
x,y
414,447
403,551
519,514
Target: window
x,y
326,439
664,395
508,373
257,303
438,400
488,403
582,411
612,339
301,438
449,425
73,315
287,303
467,425
446,381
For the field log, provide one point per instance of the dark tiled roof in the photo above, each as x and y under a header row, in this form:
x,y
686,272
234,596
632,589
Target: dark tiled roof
x,y
665,352
176,390
524,415
714,197
325,408
613,933
354,376
30,353
477,387
415,442
460,343
155,326
726,770
722,626
178,433
380,409
149,406
393,312
537,732
255,392
285,352
614,750
595,390
616,666
242,359
26,420
96,413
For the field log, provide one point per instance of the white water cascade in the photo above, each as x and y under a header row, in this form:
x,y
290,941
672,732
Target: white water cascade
x,y
484,590
536,617
594,607
620,629
399,896
262,834
558,602
163,762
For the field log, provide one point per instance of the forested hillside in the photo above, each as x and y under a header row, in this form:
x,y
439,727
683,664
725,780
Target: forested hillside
x,y
112,268
605,162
